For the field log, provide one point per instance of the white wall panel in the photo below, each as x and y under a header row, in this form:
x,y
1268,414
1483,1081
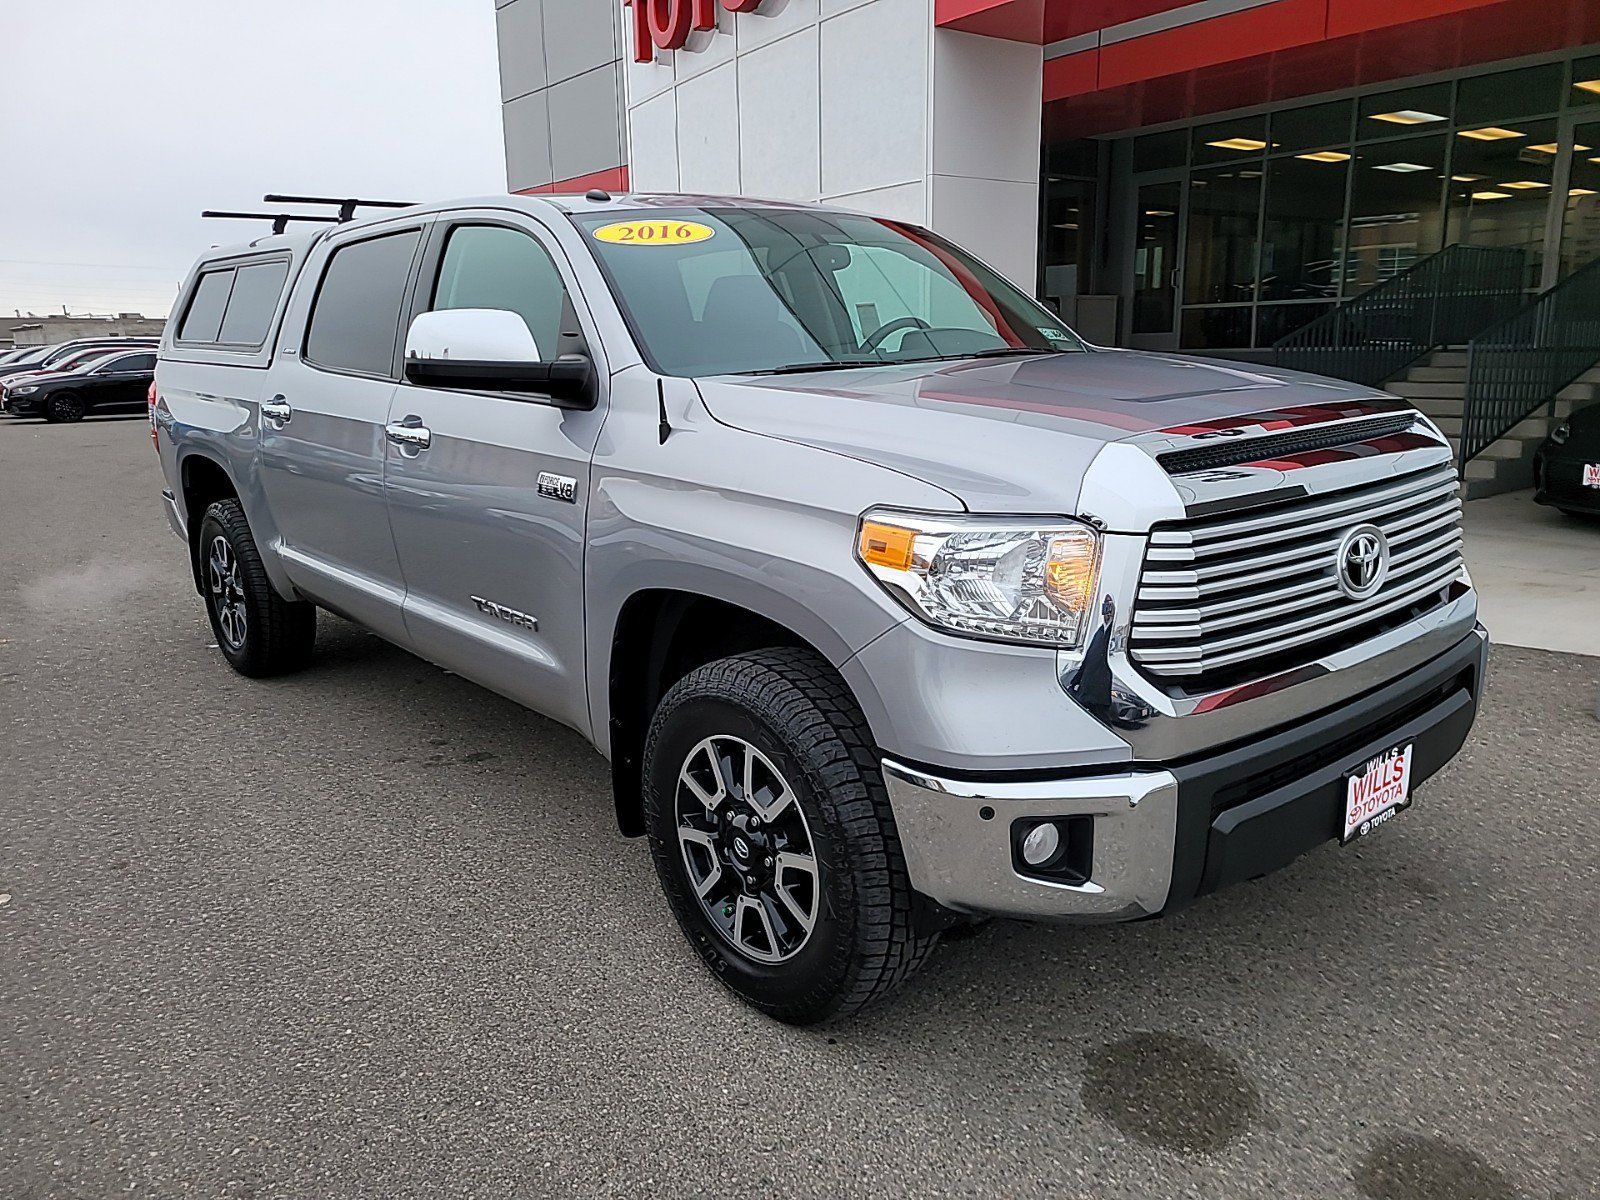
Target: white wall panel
x,y
527,126
997,220
708,140
707,49
520,35
583,123
579,35
773,20
907,202
875,95
653,142
780,125
986,107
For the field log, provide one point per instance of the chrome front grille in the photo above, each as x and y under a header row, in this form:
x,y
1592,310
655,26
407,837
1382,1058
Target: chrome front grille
x,y
1220,594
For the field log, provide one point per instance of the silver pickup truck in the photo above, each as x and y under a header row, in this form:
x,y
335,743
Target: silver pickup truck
x,y
892,604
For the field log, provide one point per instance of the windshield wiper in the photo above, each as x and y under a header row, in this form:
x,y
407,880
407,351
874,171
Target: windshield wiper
x,y
831,364
1009,351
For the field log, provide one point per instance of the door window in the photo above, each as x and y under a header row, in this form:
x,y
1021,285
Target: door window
x,y
356,321
490,266
204,318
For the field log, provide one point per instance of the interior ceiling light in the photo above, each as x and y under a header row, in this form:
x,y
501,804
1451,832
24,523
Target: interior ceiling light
x,y
1491,195
1239,143
1552,148
1158,212
1325,156
1524,185
1407,116
1588,85
1401,168
1468,178
1581,192
1491,134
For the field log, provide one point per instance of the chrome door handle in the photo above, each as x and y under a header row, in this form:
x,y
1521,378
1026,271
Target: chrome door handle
x,y
413,437
277,409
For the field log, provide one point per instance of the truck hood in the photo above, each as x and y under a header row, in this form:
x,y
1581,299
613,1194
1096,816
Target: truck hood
x,y
1009,435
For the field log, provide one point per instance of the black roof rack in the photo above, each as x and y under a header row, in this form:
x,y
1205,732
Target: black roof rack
x,y
280,221
347,208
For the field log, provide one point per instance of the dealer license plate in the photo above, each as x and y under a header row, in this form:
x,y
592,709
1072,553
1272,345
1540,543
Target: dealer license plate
x,y
1591,475
1377,792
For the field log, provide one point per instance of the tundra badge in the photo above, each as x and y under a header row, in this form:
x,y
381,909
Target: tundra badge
x,y
509,615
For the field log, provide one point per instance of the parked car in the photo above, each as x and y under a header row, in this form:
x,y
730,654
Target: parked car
x,y
81,386
892,603
64,354
1566,467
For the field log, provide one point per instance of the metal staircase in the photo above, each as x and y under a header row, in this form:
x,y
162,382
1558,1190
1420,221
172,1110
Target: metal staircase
x,y
1437,386
1530,368
1444,300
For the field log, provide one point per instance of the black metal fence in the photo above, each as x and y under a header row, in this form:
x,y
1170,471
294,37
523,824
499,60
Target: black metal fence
x,y
1444,300
1520,364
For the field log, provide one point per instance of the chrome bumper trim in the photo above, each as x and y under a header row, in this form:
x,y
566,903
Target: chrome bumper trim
x,y
964,861
174,516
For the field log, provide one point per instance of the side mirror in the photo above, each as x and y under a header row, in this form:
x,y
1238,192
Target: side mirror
x,y
492,348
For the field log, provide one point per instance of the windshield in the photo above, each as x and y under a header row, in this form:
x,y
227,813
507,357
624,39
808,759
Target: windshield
x,y
713,291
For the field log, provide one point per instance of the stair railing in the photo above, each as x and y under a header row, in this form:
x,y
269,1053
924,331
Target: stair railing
x,y
1521,364
1443,300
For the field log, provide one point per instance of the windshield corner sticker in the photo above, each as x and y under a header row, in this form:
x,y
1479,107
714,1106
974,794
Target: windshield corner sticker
x,y
1055,335
654,233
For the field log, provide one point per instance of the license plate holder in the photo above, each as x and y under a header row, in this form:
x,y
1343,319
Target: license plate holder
x,y
1376,792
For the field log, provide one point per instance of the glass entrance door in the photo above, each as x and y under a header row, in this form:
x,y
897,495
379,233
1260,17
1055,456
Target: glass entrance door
x,y
1157,270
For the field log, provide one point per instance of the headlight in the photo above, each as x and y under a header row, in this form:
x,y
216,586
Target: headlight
x,y
1561,433
22,391
1015,579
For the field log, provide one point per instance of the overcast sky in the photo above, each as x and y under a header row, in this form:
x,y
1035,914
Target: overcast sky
x,y
120,120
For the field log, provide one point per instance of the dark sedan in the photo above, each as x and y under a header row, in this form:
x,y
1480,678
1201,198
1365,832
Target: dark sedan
x,y
1566,469
116,380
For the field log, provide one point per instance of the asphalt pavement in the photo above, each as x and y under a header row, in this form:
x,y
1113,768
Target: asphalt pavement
x,y
370,931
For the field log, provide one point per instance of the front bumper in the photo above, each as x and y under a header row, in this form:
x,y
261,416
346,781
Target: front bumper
x,y
21,406
1152,840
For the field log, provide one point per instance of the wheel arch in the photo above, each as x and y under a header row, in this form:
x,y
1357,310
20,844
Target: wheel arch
x,y
203,481
659,636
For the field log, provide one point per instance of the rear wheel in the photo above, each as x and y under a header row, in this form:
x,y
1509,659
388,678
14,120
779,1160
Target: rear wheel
x,y
773,838
63,407
258,631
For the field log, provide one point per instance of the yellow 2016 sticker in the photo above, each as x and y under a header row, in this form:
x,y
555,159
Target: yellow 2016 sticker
x,y
654,233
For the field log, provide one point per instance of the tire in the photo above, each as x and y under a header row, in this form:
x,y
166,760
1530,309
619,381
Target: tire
x,y
812,746
63,407
258,631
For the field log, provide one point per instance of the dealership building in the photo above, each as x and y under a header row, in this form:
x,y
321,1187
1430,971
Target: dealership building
x,y
1200,175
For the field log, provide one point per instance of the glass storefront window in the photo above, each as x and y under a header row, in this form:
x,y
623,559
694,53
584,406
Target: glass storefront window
x,y
1161,151
1585,82
1492,98
1580,217
1220,250
1226,328
1396,209
1245,137
1312,128
1302,243
1500,190
1274,322
1390,114
1068,237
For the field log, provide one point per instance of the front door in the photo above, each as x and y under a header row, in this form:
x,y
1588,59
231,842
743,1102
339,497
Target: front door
x,y
1155,241
488,491
323,448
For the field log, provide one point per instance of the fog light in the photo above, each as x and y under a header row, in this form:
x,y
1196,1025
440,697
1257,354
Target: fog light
x,y
1041,844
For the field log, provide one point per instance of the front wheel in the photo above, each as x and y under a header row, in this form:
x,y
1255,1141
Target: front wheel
x,y
773,837
63,407
258,631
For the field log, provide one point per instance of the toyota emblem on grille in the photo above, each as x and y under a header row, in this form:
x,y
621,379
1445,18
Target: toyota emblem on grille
x,y
1363,562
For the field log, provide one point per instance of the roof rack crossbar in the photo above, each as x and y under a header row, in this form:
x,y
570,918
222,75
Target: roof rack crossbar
x,y
280,221
347,207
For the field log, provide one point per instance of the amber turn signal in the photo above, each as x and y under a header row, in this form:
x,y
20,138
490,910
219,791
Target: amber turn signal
x,y
886,545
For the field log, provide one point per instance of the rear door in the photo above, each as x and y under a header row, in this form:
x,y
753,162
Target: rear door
x,y
323,447
124,380
489,517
